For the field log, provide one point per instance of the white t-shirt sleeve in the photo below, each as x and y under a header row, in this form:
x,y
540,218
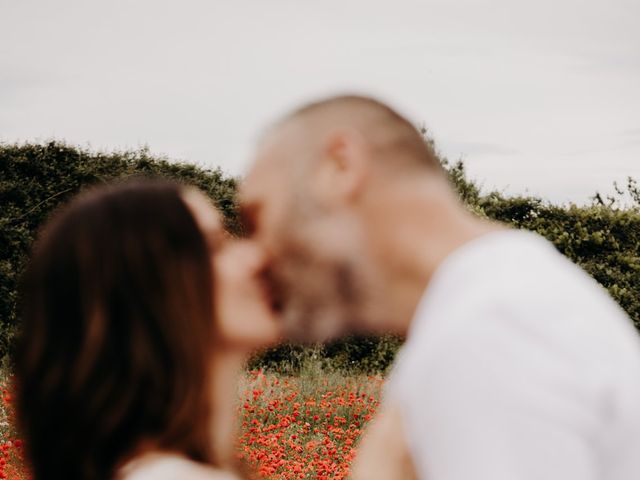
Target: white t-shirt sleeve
x,y
497,401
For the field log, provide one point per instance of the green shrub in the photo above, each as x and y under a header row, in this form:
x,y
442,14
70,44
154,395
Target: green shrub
x,y
351,355
35,179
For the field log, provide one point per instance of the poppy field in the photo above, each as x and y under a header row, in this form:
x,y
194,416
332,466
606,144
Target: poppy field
x,y
304,427
12,463
291,427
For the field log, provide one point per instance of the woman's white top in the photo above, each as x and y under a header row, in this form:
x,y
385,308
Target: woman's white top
x,y
170,466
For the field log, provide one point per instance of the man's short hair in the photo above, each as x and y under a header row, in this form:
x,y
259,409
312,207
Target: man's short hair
x,y
385,129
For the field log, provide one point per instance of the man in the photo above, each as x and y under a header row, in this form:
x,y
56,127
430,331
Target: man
x,y
517,365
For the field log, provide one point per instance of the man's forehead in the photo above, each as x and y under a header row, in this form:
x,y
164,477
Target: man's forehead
x,y
280,138
260,182
271,162
252,188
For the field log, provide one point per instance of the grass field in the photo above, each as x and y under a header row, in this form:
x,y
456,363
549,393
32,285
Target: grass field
x,y
291,427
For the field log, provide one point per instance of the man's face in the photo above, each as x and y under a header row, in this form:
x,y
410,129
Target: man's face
x,y
317,274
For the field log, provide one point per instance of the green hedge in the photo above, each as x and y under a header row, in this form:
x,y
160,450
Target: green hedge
x,y
36,178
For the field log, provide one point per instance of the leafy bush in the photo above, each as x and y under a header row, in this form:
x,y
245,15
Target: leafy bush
x,y
35,179
603,237
351,355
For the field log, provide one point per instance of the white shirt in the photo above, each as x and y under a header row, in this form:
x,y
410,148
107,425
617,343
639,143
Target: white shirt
x,y
519,366
169,466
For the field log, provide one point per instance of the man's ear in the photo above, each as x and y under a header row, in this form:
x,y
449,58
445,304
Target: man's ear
x,y
343,167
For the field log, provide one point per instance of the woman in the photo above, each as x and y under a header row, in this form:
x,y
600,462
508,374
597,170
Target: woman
x,y
138,315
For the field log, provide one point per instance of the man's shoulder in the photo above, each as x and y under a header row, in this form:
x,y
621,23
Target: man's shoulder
x,y
514,274
506,261
528,295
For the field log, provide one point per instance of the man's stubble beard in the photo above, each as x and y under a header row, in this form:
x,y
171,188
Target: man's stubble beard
x,y
323,282
318,304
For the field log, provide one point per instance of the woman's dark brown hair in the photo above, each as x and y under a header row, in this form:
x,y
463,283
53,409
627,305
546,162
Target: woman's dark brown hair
x,y
117,334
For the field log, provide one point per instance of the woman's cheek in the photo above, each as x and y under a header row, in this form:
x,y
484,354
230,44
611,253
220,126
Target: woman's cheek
x,y
244,316
233,314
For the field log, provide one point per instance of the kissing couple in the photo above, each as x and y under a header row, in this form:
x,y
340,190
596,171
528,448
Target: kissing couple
x,y
140,312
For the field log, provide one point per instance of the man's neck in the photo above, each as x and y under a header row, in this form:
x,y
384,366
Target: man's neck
x,y
424,226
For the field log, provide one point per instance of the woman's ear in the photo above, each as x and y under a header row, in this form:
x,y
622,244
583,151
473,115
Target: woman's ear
x,y
343,167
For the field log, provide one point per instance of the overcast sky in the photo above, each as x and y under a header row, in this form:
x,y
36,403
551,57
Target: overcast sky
x,y
537,96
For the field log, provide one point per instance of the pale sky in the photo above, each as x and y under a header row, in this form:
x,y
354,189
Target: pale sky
x,y
539,97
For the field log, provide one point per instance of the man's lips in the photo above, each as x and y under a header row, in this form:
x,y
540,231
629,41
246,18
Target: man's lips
x,y
273,294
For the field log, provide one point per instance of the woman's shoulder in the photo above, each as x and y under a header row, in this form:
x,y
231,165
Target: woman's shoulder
x,y
168,466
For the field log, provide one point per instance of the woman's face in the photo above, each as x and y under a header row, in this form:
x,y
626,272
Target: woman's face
x,y
243,313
